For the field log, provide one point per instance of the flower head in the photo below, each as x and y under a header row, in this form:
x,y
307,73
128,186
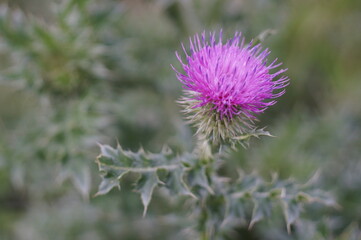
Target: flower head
x,y
227,85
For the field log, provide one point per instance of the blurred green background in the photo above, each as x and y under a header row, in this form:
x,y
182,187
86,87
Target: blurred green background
x,y
74,73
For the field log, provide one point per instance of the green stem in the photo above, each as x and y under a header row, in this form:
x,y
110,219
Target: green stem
x,y
204,235
205,156
204,149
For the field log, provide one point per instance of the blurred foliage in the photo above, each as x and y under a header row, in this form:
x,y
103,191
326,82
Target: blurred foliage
x,y
74,73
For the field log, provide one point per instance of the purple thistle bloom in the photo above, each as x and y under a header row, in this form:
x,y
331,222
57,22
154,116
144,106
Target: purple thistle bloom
x,y
226,85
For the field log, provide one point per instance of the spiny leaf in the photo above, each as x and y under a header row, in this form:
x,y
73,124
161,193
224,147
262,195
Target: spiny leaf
x,y
108,151
236,210
263,35
78,175
291,195
82,180
120,159
291,210
115,163
197,177
262,209
323,198
176,185
145,186
109,181
245,138
247,183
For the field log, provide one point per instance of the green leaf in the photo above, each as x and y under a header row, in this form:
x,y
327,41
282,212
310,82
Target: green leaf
x,y
245,138
176,185
115,163
263,36
291,210
120,159
262,209
247,184
236,210
197,177
78,174
108,152
323,197
291,195
109,181
81,180
145,186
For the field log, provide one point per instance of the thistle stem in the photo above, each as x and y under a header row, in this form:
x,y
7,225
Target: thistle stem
x,y
204,235
204,149
205,155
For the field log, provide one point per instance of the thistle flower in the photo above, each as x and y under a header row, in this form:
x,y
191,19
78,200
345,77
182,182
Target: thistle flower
x,y
226,85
